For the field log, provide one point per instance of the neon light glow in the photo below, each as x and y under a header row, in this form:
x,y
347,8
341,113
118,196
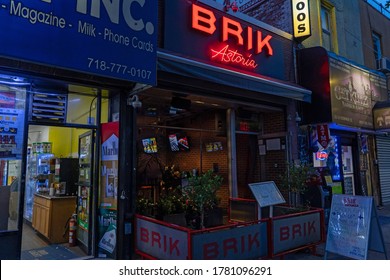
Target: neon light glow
x,y
227,55
322,155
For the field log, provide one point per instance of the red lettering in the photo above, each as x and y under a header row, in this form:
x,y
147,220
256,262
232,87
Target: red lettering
x,y
227,55
210,251
284,233
253,240
249,43
311,227
144,235
296,230
232,27
242,244
174,246
229,244
156,238
203,19
261,43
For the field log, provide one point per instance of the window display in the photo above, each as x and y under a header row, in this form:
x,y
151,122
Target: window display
x,y
178,142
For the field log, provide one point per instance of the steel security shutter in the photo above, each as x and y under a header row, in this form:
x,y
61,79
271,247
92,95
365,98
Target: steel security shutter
x,y
383,150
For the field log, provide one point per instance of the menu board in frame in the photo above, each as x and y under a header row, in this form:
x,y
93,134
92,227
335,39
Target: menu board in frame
x,y
266,193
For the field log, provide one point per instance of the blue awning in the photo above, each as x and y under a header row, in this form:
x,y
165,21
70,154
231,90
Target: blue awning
x,y
195,69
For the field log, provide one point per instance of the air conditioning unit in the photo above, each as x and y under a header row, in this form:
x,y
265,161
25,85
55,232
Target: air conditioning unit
x,y
385,64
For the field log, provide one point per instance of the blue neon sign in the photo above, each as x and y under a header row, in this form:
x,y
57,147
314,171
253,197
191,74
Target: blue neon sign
x,y
112,38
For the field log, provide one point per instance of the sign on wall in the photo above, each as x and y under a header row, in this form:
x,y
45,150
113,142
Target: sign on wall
x,y
301,18
116,39
354,92
211,35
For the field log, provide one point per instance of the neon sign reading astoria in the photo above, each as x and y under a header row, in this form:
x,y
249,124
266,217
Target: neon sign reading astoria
x,y
204,21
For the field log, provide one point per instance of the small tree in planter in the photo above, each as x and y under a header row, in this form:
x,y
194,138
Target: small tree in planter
x,y
200,193
294,180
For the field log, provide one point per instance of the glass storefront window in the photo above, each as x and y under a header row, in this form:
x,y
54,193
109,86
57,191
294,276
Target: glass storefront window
x,y
178,137
12,113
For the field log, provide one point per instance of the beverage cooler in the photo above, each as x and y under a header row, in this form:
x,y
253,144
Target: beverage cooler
x,y
39,176
84,200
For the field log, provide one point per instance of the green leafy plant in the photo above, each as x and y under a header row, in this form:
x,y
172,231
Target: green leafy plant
x,y
295,178
144,206
200,194
171,202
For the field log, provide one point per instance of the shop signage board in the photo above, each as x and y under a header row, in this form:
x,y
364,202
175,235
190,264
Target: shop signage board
x,y
323,135
301,18
382,116
293,232
161,241
353,227
354,92
244,242
237,42
115,39
267,193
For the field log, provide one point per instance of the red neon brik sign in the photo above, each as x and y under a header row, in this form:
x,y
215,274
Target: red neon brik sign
x,y
227,55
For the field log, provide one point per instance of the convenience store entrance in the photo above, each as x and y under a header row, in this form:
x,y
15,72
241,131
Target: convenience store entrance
x,y
49,165
59,180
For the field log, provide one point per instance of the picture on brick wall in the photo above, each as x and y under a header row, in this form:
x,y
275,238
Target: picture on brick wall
x,y
214,147
150,145
178,142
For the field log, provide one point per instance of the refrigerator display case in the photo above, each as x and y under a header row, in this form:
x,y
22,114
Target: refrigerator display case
x,y
39,175
84,208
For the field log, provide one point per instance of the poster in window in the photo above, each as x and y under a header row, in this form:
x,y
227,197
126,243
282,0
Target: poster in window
x,y
7,99
11,133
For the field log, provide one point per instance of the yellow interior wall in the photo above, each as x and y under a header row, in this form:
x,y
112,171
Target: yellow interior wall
x,y
77,132
61,139
66,140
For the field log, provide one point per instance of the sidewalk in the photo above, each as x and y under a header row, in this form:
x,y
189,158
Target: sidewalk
x,y
384,220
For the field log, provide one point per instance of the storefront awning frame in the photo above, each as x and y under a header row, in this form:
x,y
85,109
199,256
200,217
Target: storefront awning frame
x,y
190,68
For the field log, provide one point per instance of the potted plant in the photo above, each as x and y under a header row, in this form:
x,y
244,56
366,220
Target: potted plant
x,y
171,205
144,206
294,181
200,194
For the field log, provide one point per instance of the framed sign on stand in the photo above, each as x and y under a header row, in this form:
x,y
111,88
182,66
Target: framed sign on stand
x,y
266,194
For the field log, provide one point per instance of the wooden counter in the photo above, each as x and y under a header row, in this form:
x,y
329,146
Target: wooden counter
x,y
50,214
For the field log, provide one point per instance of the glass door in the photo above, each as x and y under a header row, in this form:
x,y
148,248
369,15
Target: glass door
x,y
348,169
84,201
12,130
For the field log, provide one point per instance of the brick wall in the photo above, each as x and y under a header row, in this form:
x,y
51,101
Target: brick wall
x,y
273,12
